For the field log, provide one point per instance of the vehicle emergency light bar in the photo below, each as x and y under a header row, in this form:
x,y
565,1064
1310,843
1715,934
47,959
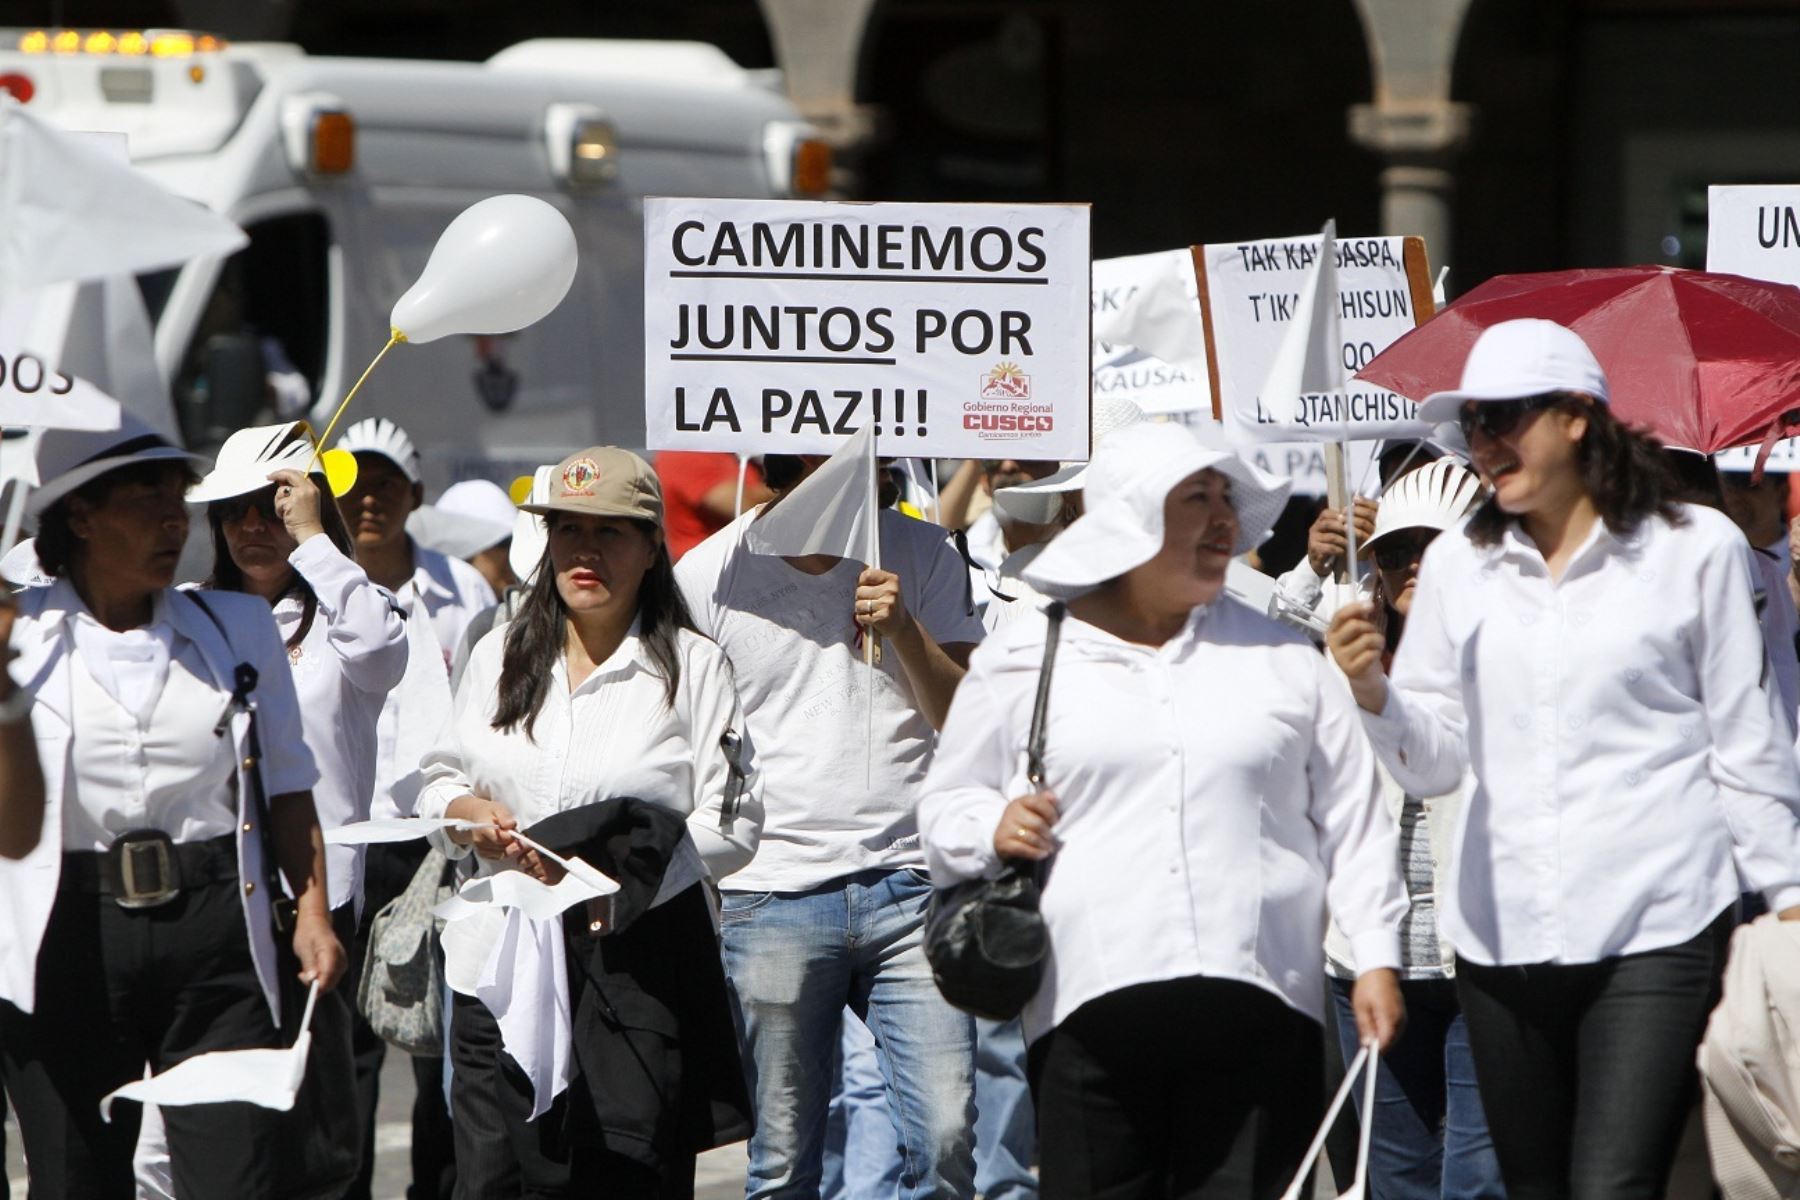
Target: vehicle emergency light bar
x,y
125,43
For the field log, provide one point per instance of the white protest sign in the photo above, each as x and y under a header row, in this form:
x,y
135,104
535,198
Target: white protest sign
x,y
1303,463
1249,293
1784,458
1754,231
957,330
33,394
1135,300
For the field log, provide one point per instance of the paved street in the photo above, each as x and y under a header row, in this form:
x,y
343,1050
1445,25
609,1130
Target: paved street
x,y
721,1174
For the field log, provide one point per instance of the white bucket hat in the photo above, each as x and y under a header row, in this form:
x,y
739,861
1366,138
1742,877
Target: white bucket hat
x,y
1516,359
68,458
529,537
378,435
1435,496
249,456
1037,502
1127,482
470,517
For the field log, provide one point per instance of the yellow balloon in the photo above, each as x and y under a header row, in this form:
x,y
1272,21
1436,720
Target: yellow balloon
x,y
520,491
340,470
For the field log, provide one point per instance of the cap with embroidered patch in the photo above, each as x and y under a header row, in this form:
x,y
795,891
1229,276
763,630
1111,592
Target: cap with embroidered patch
x,y
603,481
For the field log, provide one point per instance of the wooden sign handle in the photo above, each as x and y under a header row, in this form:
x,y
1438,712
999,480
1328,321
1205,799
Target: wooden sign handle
x,y
1198,253
1418,279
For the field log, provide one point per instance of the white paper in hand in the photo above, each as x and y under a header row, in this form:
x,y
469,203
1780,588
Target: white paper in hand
x,y
828,512
269,1078
393,829
515,889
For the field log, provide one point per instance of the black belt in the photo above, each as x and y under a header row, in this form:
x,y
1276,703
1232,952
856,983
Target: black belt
x,y
144,868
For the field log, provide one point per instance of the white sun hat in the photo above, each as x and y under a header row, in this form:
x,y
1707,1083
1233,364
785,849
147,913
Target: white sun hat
x,y
470,517
1516,359
1038,502
250,455
1127,482
68,458
378,435
528,535
1435,496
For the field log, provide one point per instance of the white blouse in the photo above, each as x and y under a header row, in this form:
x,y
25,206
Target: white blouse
x,y
615,735
1624,732
344,668
1212,792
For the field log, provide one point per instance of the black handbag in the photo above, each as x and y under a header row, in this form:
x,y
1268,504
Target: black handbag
x,y
985,938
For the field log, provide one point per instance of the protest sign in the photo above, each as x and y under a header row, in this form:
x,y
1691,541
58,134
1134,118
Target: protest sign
x,y
956,330
1784,458
1301,462
1249,295
1148,344
1754,231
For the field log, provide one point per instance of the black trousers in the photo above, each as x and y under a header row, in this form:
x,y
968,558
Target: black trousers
x,y
1187,1088
1587,1072
117,989
387,869
501,1153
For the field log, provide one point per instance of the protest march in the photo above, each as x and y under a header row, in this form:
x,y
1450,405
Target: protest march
x,y
958,716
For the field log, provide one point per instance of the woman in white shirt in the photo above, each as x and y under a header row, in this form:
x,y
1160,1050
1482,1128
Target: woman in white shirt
x,y
598,688
141,930
1207,788
1589,651
276,534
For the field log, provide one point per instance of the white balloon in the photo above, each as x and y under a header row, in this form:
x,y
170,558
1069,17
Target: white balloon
x,y
501,265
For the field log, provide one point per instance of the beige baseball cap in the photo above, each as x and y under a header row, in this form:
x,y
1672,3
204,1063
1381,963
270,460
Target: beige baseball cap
x,y
603,481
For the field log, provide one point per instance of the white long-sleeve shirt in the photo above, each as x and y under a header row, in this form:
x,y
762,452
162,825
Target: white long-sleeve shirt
x,y
344,668
1212,791
615,735
1624,733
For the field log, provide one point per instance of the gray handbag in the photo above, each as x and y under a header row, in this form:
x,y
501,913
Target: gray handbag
x,y
402,988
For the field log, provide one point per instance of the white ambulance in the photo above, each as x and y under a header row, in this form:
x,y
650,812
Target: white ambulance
x,y
344,171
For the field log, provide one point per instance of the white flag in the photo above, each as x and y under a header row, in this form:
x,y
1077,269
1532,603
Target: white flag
x,y
1310,360
831,511
1160,312
269,1078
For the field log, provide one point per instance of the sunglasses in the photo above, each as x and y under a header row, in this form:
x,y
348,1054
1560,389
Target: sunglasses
x,y
1401,550
1498,418
238,507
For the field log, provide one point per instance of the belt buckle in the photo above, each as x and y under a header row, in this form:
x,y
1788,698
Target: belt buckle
x,y
145,870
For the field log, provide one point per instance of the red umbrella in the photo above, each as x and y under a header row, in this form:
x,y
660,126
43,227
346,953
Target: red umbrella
x,y
1704,361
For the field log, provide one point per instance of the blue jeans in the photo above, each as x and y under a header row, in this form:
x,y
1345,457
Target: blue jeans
x,y
1430,1140
862,1143
1005,1121
794,960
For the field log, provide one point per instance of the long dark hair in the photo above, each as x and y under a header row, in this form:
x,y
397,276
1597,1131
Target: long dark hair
x,y
1622,470
538,632
227,576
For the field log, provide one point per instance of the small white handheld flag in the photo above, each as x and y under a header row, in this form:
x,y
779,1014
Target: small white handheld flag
x,y
270,1078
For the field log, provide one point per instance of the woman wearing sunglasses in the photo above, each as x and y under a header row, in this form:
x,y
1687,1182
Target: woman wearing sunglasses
x,y
277,534
1588,651
1429,1138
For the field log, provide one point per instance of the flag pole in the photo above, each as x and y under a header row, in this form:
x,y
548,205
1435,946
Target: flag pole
x,y
871,498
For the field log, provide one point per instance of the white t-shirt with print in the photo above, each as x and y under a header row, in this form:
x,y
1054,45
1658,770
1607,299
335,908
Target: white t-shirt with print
x,y
830,808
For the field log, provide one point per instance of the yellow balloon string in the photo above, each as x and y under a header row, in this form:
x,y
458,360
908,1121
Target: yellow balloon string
x,y
394,339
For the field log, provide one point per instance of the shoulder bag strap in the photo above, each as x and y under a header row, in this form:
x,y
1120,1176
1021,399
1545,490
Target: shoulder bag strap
x,y
244,680
1040,709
